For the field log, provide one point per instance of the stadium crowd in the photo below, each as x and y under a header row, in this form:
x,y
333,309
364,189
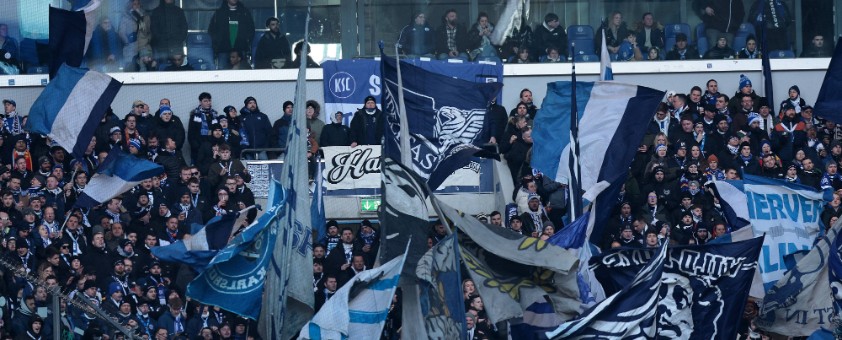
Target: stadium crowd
x,y
143,40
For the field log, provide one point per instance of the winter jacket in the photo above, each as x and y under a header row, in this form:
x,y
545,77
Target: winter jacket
x,y
359,131
169,28
258,132
220,28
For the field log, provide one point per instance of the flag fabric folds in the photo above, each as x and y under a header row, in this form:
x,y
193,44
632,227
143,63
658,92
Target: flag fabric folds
x,y
790,217
732,199
605,70
512,271
288,298
202,246
802,301
317,204
71,107
359,309
835,276
705,286
574,238
118,173
574,184
627,314
830,96
235,277
612,124
442,303
766,64
757,289
447,118
70,34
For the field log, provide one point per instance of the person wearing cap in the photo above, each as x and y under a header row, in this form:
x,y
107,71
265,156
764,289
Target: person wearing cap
x,y
23,256
794,100
720,49
281,126
167,124
12,120
370,240
255,128
416,38
367,124
789,134
627,238
516,225
682,232
332,238
654,210
201,118
701,234
335,133
677,163
681,50
745,90
315,123
714,172
746,161
534,218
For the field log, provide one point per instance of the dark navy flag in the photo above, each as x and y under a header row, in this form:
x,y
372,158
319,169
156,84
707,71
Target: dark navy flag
x,y
446,117
705,286
203,245
118,173
70,34
628,314
764,57
317,203
732,199
71,107
235,278
830,96
835,275
442,303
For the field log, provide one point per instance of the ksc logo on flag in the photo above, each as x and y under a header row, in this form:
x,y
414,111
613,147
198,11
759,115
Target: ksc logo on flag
x,y
342,85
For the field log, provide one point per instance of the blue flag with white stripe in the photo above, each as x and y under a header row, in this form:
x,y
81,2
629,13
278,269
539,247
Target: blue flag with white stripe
x,y
119,172
71,33
627,314
835,275
359,309
613,119
574,237
235,278
732,199
605,70
446,119
71,107
204,244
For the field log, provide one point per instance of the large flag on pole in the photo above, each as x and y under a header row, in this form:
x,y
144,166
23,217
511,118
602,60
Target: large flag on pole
x,y
628,314
764,57
574,237
118,173
204,244
442,303
605,70
830,96
288,298
446,118
359,309
70,34
802,301
235,278
317,204
574,185
704,290
71,107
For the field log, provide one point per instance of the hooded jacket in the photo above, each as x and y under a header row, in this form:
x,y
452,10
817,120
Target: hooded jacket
x,y
169,28
220,28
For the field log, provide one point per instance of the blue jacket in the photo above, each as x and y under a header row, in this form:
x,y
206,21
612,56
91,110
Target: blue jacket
x,y
257,127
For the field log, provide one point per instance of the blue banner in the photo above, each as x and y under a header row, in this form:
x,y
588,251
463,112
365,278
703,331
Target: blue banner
x,y
348,82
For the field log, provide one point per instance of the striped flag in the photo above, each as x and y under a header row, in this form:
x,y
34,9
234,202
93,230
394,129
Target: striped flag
x,y
605,71
359,309
204,244
574,185
118,173
71,107
70,34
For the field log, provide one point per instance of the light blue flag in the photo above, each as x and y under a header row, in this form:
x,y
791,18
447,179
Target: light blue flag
x,y
118,173
605,70
574,237
440,284
235,278
204,244
71,107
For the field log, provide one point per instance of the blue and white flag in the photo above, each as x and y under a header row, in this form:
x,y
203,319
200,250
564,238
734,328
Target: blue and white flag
x,y
118,173
835,275
802,301
732,199
198,250
359,309
627,314
235,278
317,203
830,96
790,217
605,70
612,123
447,120
288,299
442,303
70,33
71,107
704,289
574,237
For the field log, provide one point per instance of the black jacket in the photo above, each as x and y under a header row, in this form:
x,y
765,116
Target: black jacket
x,y
169,28
271,47
220,32
359,130
334,134
543,39
461,39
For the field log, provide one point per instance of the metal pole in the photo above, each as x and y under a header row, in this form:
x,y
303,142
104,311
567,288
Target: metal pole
x,y
56,318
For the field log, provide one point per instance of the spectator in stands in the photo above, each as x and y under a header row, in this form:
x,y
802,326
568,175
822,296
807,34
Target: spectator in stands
x,y
745,90
335,133
367,124
178,63
750,51
370,242
720,17
168,28
340,258
479,37
327,292
629,49
520,38
255,125
231,28
134,30
106,50
281,126
201,118
653,54
549,33
8,43
169,125
517,154
451,38
273,47
526,98
313,122
789,134
681,51
523,56
818,48
615,31
776,16
297,62
236,61
649,32
794,100
417,38
552,56
721,50
143,62
12,121
711,92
